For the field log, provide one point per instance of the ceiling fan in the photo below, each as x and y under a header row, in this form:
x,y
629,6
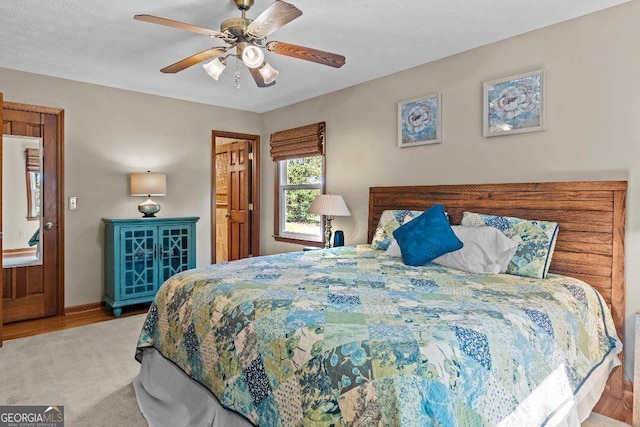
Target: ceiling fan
x,y
245,39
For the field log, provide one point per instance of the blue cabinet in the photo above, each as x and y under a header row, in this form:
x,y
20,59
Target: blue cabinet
x,y
140,254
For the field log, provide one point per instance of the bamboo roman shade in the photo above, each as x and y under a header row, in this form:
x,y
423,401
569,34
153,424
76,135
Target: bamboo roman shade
x,y
33,159
305,141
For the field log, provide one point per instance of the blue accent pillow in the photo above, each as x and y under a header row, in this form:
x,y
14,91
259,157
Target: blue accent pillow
x,y
426,237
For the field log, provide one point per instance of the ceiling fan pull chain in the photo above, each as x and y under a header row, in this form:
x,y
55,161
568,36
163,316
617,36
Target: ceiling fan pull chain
x,y
236,76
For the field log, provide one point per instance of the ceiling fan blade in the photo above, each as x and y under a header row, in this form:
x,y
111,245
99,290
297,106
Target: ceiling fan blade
x,y
258,78
275,16
306,53
194,59
180,25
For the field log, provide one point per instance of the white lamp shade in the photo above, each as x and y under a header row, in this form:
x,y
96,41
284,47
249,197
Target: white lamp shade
x,y
148,184
268,73
329,205
252,56
214,68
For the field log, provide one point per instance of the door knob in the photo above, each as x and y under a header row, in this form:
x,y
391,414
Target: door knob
x,y
227,215
48,225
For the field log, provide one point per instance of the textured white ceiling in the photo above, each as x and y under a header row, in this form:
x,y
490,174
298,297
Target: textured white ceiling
x,y
100,42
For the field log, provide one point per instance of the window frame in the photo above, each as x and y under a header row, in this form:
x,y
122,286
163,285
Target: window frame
x,y
34,191
279,208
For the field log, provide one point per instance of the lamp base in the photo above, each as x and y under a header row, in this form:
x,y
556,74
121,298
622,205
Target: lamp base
x,y
327,232
149,208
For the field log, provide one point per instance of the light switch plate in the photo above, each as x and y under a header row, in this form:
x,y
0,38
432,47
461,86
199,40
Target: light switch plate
x,y
73,203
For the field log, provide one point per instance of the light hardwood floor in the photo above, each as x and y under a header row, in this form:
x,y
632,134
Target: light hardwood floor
x,y
609,406
50,324
618,409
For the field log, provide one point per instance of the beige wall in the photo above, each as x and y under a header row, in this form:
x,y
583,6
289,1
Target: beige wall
x,y
593,125
110,133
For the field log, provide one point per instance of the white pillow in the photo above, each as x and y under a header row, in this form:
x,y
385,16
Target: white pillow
x,y
486,251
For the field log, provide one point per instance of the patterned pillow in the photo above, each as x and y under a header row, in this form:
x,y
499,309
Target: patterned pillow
x,y
389,221
536,241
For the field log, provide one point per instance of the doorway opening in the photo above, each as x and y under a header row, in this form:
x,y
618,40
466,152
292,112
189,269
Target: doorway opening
x,y
235,196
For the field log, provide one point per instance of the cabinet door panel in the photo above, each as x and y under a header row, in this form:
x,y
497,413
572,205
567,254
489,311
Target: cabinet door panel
x,y
175,250
138,249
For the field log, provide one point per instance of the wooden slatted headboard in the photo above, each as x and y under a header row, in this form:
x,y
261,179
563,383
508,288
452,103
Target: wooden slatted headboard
x,y
590,214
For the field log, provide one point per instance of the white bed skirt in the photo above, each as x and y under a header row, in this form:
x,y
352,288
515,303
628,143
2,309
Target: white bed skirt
x,y
168,397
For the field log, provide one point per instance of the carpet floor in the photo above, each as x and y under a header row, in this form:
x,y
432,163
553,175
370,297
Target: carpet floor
x,y
89,370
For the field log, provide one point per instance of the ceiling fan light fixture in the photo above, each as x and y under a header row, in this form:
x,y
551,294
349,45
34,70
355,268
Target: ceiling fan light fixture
x,y
214,68
268,73
246,39
252,56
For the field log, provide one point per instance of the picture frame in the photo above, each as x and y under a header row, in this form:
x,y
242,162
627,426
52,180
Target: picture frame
x,y
420,121
514,104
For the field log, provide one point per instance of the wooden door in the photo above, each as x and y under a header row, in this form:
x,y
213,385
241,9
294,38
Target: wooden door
x,y
36,291
239,185
245,217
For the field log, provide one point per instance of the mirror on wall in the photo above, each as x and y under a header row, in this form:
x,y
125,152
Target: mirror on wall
x,y
21,201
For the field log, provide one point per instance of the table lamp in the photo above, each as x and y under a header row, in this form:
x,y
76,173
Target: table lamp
x,y
329,205
148,184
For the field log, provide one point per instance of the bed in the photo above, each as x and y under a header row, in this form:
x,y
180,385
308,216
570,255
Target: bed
x,y
351,336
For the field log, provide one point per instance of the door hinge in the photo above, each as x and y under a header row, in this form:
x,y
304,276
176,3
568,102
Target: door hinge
x,y
251,206
250,156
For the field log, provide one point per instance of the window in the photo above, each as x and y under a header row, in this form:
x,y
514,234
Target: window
x,y
33,183
300,181
300,170
33,195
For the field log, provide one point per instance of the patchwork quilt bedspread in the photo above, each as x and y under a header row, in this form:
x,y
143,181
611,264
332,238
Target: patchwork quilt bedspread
x,y
350,336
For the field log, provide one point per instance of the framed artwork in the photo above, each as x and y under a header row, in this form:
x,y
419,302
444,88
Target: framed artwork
x,y
514,104
419,121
